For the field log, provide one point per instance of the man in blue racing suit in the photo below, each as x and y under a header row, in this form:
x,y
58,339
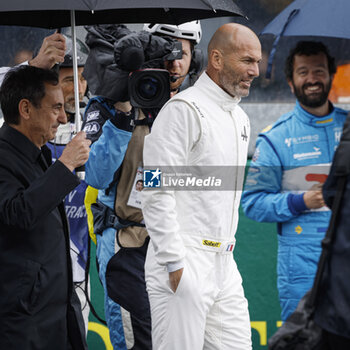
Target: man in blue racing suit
x,y
290,165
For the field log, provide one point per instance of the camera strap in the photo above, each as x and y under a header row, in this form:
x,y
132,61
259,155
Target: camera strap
x,y
142,122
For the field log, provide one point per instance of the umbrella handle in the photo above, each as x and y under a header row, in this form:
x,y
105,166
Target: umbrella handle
x,y
80,172
75,72
56,67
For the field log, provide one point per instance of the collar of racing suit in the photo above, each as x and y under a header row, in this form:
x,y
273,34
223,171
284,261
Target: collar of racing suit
x,y
217,94
314,120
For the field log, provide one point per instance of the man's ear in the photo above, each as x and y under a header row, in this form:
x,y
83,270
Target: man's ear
x,y
291,86
216,59
24,108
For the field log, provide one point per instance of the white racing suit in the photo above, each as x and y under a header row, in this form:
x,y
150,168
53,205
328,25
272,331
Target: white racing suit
x,y
202,127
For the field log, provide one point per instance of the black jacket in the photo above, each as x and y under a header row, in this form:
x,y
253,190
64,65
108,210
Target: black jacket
x,y
333,304
38,306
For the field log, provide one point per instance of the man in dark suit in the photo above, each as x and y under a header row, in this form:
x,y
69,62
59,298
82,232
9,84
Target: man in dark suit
x,y
38,306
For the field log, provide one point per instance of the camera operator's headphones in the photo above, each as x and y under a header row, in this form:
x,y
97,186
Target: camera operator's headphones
x,y
197,62
190,31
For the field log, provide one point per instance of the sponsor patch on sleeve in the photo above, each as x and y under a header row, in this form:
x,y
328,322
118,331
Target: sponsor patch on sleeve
x,y
92,127
92,115
269,127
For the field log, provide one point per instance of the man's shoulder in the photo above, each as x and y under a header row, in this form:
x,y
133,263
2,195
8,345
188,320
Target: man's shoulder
x,y
9,138
98,106
189,98
279,126
341,113
97,112
10,156
187,94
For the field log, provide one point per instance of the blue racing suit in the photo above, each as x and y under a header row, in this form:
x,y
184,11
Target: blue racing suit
x,y
112,168
291,156
99,171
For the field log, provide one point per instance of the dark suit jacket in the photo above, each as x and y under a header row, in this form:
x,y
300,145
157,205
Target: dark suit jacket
x,y
38,306
333,304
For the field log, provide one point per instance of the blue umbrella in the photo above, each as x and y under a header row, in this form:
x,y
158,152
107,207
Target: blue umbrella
x,y
320,18
326,18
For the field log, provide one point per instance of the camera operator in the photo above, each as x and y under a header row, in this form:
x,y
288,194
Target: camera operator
x,y
117,130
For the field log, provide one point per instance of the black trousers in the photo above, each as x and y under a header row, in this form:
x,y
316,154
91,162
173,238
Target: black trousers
x,y
125,277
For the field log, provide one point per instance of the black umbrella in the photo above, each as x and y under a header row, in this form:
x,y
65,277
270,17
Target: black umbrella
x,y
56,14
65,13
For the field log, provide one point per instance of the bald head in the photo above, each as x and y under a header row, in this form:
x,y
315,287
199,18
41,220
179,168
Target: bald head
x,y
234,52
229,36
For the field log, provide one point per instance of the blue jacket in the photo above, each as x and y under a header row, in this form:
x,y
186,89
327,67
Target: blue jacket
x,y
107,152
291,156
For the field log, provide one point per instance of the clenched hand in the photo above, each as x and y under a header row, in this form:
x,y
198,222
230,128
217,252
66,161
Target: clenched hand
x,y
52,51
76,153
313,198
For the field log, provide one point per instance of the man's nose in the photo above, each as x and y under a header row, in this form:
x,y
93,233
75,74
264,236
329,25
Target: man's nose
x,y
175,63
311,77
62,118
254,69
81,86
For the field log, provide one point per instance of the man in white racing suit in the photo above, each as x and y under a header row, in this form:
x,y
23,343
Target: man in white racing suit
x,y
194,286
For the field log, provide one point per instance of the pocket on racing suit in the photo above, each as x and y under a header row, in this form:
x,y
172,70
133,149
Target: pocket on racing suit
x,y
182,282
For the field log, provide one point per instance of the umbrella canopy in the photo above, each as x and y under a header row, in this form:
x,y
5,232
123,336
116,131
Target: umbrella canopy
x,y
319,18
56,14
322,18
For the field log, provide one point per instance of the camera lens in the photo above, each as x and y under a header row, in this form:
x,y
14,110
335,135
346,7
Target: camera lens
x,y
148,88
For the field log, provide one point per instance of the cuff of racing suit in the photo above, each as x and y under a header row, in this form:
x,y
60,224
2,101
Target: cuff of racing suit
x,y
123,120
174,266
296,203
